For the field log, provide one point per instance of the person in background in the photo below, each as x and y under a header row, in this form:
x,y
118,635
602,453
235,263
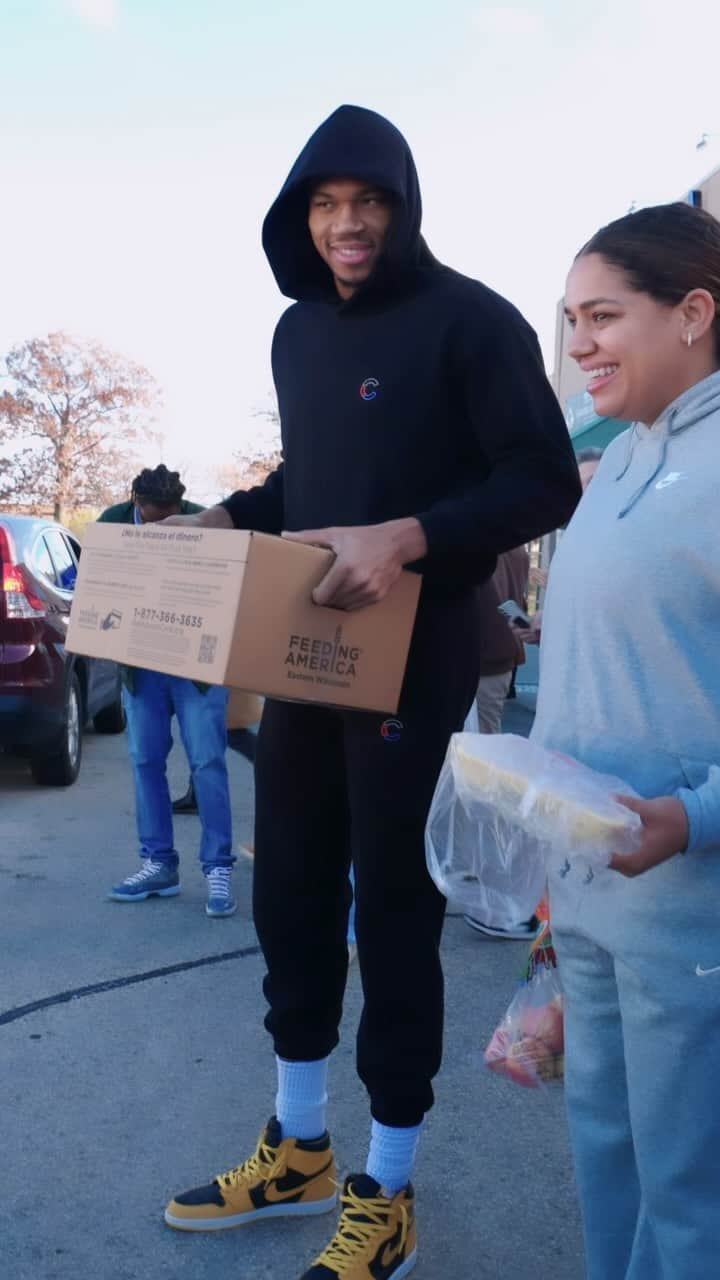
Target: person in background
x,y
588,461
630,685
241,738
419,429
500,650
150,699
500,653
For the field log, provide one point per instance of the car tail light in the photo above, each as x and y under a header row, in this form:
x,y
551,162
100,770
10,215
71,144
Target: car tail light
x,y
15,588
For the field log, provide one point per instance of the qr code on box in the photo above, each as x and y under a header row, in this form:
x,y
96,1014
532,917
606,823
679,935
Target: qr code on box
x,y
208,645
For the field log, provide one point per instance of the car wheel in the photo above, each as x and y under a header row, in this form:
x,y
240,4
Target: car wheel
x,y
112,718
62,767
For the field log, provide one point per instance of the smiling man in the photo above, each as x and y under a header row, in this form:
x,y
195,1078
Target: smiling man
x,y
348,222
418,429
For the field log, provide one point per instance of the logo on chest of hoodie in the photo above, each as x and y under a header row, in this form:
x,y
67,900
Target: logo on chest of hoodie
x,y
369,389
672,478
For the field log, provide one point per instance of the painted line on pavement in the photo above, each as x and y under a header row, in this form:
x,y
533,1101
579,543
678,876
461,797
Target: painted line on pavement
x,y
98,988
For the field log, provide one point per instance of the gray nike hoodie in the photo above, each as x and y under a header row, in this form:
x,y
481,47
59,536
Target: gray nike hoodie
x,y
630,654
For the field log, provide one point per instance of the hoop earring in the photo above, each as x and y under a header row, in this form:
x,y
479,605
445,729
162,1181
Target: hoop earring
x,y
689,339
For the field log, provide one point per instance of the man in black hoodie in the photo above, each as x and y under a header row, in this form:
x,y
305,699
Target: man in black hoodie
x,y
418,430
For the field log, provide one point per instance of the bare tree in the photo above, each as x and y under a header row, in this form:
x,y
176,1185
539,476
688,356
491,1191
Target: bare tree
x,y
246,470
84,411
19,480
252,465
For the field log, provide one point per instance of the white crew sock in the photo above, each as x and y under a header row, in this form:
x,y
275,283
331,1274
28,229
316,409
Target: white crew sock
x,y
301,1099
392,1155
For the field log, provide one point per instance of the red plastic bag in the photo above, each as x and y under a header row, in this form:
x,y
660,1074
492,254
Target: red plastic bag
x,y
528,1045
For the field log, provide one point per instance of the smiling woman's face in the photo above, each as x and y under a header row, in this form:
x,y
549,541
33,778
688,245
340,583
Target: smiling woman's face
x,y
630,345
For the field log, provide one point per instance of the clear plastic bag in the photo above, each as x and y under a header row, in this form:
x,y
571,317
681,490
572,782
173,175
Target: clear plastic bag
x,y
528,1046
501,806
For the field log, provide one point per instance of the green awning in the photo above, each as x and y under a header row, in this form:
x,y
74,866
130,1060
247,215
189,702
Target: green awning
x,y
587,429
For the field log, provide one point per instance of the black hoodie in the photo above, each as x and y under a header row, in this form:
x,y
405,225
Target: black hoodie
x,y
423,395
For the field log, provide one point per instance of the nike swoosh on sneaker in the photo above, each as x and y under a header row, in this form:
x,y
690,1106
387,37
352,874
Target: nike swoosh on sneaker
x,y
390,1254
703,973
295,1184
392,1250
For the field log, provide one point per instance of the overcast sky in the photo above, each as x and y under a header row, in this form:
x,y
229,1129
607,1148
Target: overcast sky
x,y
143,140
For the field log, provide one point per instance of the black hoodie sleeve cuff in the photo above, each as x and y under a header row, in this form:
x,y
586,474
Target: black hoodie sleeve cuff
x,y
260,508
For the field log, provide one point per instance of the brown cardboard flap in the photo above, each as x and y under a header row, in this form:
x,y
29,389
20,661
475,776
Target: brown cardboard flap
x,y
286,646
158,596
243,709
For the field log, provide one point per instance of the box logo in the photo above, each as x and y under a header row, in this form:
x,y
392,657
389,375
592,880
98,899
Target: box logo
x,y
327,657
111,621
88,618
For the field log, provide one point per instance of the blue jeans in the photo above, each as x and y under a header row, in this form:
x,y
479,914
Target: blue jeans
x,y
201,717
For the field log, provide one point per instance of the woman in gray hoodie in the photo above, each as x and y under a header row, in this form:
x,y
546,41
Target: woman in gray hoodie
x,y
630,684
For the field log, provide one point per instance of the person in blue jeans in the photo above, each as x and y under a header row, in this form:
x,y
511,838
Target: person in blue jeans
x,y
150,700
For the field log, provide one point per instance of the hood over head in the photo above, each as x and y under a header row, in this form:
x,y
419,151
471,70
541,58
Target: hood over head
x,y
352,143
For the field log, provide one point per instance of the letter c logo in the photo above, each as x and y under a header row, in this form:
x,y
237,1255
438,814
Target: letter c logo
x,y
368,389
391,729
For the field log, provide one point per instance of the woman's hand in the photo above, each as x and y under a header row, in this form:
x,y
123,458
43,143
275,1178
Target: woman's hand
x,y
664,833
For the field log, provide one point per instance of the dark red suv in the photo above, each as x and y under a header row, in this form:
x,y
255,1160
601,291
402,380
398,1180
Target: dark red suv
x,y
46,694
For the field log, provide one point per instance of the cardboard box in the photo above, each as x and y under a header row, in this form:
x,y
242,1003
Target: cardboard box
x,y
235,608
243,709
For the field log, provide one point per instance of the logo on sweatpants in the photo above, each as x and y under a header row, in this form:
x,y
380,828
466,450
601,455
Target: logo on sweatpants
x,y
391,729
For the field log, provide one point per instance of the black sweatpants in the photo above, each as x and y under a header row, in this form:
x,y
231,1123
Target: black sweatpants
x,y
332,786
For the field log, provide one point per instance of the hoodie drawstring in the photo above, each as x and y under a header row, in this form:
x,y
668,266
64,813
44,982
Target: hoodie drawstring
x,y
646,484
692,406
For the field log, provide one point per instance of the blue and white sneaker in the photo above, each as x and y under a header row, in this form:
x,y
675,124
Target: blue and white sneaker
x,y
220,900
152,878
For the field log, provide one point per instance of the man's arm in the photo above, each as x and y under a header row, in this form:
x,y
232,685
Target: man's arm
x,y
210,518
259,508
532,484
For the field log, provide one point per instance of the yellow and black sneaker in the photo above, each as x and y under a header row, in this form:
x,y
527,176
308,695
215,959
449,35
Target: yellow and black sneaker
x,y
283,1177
375,1239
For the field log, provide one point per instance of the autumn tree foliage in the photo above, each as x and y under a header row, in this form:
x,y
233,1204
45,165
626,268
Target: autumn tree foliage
x,y
72,423
252,464
17,477
246,468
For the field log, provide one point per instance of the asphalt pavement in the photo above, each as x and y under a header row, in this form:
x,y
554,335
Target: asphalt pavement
x,y
133,1063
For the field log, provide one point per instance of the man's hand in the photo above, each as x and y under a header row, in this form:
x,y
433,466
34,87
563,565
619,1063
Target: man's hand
x,y
665,833
537,577
368,560
212,518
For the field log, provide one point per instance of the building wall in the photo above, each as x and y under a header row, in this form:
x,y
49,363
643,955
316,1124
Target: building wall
x,y
711,193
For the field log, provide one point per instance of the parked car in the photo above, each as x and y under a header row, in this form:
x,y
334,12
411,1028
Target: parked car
x,y
47,695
